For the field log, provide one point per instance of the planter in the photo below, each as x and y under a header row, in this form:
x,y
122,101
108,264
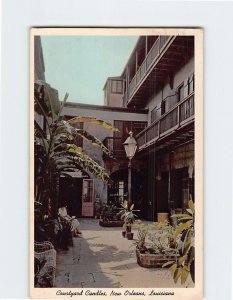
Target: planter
x,y
124,233
147,260
129,235
111,223
161,217
45,252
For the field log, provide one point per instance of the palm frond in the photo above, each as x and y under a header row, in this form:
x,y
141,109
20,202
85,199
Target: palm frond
x,y
80,119
62,105
94,140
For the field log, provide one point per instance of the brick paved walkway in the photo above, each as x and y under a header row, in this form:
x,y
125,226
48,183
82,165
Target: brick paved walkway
x,y
102,258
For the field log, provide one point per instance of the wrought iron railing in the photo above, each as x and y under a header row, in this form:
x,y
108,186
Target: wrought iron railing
x,y
149,60
176,117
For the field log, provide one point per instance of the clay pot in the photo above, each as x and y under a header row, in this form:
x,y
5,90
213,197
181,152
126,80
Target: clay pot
x,y
129,235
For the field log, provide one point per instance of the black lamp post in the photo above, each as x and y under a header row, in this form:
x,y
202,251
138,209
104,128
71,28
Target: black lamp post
x,y
130,148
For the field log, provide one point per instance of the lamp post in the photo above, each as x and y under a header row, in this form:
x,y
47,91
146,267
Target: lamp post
x,y
130,148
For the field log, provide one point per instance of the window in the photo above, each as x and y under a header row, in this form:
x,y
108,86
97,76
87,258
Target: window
x,y
162,107
155,114
87,190
181,92
121,189
138,127
117,86
191,84
126,126
117,191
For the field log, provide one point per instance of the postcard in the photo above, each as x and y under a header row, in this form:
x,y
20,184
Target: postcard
x,y
116,163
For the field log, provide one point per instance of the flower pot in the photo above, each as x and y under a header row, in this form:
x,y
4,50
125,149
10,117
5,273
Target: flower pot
x,y
147,260
161,217
129,235
111,223
128,228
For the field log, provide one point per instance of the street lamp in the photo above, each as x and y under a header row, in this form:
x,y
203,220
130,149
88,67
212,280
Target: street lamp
x,y
130,148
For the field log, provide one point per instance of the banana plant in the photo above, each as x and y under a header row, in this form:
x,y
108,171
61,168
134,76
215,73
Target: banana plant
x,y
185,263
55,152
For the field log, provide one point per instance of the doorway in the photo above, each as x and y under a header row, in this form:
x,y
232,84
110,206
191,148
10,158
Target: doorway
x,y
70,191
88,198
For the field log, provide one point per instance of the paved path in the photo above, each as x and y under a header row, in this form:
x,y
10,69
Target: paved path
x,y
102,258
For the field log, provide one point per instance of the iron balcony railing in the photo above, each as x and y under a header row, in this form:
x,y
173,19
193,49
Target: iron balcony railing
x,y
146,65
176,117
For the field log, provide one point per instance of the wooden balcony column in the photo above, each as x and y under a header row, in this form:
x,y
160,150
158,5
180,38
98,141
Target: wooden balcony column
x,y
136,62
178,116
146,47
127,77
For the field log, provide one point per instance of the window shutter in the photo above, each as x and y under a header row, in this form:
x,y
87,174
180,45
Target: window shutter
x,y
173,98
191,83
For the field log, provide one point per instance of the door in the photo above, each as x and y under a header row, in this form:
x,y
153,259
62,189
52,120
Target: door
x,y
88,198
70,191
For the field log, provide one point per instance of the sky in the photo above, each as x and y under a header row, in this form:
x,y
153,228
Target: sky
x,y
80,65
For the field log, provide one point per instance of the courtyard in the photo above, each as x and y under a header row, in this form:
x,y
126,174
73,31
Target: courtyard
x,y
102,258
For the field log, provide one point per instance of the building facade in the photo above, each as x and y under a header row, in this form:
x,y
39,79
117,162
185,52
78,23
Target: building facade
x,y
159,78
154,97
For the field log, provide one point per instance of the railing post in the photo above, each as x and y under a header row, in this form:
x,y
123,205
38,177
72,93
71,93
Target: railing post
x,y
159,43
159,128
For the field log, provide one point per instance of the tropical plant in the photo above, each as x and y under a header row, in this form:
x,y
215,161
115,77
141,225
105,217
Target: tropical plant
x,y
55,151
159,238
142,231
184,265
155,238
127,214
109,212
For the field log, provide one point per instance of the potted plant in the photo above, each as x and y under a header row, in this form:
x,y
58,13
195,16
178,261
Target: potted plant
x,y
142,231
109,217
153,247
129,221
127,215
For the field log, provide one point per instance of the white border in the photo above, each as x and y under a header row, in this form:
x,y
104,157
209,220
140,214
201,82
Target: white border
x,y
179,293
216,19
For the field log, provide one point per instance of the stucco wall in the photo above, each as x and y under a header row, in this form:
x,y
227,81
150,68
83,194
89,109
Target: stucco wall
x,y
115,100
106,115
112,99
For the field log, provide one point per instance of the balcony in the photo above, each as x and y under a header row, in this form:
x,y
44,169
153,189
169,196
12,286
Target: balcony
x,y
165,56
178,117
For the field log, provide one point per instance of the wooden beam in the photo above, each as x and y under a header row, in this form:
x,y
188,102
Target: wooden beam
x,y
146,47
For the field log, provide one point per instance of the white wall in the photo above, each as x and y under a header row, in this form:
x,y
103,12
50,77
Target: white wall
x,y
106,115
